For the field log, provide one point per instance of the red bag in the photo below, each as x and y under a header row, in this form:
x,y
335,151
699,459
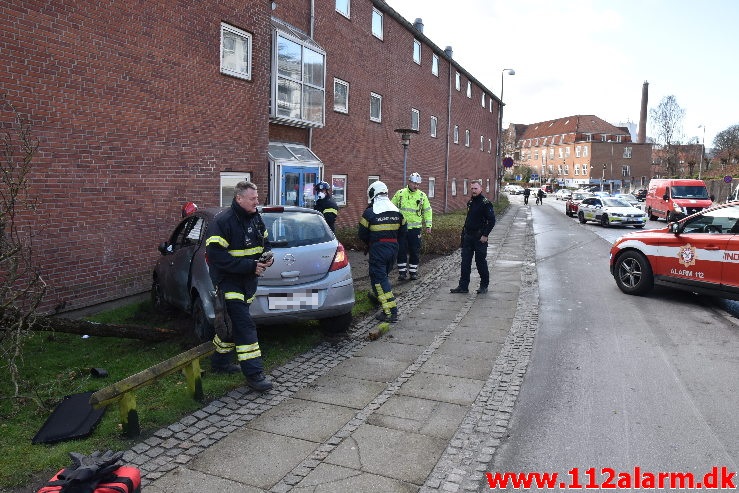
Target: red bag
x,y
125,479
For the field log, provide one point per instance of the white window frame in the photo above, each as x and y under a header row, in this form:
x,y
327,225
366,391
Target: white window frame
x,y
433,125
482,143
229,179
627,152
378,29
467,138
417,51
560,152
435,64
567,151
625,170
456,134
469,92
490,146
584,151
584,169
454,187
376,97
432,187
344,4
577,170
464,186
229,56
483,100
345,107
458,82
577,151
415,119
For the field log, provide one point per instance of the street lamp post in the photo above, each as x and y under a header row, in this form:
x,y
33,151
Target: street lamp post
x,y
703,150
603,178
499,157
405,139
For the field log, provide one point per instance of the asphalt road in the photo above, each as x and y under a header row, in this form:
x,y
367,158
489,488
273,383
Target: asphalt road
x,y
619,381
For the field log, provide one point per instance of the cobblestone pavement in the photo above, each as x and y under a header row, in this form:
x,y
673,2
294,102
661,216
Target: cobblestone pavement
x,y
463,462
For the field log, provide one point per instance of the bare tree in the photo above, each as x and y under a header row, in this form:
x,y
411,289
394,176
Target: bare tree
x,y
726,145
667,120
21,285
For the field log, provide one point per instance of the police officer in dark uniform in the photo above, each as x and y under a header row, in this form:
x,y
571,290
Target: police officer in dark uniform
x,y
380,227
237,240
325,204
479,222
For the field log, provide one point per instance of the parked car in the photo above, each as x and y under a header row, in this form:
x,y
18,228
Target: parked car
x,y
311,278
602,193
610,211
641,194
563,194
513,189
697,254
628,198
574,201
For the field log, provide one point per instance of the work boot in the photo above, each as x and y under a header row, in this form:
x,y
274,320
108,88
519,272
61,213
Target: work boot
x,y
258,382
402,276
482,290
373,298
384,317
459,289
227,369
413,276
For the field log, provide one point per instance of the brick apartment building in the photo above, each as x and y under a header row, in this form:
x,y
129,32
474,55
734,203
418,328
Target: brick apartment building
x,y
579,150
141,107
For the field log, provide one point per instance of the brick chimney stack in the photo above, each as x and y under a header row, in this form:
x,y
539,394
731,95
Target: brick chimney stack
x,y
641,136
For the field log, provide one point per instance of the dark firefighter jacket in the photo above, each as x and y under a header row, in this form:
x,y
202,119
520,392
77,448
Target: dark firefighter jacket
x,y
327,206
384,227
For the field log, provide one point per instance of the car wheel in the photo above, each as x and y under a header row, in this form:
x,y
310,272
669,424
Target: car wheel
x,y
581,217
652,217
157,298
336,325
633,273
604,220
201,324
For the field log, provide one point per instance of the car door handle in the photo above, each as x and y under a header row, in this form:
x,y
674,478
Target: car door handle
x,y
290,273
712,247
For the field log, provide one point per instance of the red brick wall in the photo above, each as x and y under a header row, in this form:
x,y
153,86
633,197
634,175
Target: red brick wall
x,y
133,119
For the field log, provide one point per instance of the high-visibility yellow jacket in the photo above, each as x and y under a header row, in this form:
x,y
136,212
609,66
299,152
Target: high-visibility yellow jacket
x,y
414,206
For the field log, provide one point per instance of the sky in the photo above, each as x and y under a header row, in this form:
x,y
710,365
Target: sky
x,y
591,57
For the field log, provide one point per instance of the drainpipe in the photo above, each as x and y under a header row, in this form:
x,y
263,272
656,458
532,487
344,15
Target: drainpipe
x,y
448,51
312,28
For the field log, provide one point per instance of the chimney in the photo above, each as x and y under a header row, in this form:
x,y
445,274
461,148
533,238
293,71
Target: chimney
x,y
641,136
418,24
448,51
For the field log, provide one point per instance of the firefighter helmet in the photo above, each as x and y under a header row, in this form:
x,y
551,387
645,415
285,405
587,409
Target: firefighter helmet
x,y
321,185
414,178
188,209
376,189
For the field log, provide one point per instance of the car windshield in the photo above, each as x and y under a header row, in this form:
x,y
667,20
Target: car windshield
x,y
614,202
691,192
580,196
627,197
291,229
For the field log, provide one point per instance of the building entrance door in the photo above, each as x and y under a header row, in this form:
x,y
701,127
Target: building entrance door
x,y
296,184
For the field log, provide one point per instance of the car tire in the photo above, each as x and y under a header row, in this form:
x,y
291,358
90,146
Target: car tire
x,y
581,218
652,217
633,273
157,298
336,325
202,326
604,220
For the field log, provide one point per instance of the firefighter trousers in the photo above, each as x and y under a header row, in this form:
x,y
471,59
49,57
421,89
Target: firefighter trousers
x,y
409,251
382,257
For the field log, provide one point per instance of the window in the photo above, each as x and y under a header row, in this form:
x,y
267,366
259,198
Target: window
x,y
456,134
584,169
536,154
371,179
487,185
464,187
299,81
627,152
458,81
483,100
434,122
577,151
604,138
577,170
228,183
341,96
490,146
469,92
435,64
342,7
584,151
432,187
567,169
551,153
625,170
467,138
491,104
560,151
415,119
375,107
454,187
235,52
482,143
377,23
567,151
417,51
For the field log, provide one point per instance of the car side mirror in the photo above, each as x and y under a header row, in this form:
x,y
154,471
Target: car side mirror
x,y
665,197
674,227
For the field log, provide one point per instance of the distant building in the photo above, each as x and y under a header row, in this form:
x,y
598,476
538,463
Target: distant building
x,y
579,150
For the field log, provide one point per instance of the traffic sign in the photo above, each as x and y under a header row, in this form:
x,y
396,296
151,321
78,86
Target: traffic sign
x,y
727,179
534,176
508,162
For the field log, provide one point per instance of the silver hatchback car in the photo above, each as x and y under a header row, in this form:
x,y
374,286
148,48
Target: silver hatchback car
x,y
311,278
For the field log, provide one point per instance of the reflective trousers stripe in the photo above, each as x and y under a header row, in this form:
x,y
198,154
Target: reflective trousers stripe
x,y
248,351
234,295
387,300
223,347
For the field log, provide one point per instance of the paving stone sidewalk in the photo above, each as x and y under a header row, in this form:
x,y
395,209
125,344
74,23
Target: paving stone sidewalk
x,y
421,409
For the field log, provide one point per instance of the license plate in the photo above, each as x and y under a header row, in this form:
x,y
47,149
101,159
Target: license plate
x,y
287,301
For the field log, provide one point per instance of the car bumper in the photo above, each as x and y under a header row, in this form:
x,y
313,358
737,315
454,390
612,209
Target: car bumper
x,y
626,221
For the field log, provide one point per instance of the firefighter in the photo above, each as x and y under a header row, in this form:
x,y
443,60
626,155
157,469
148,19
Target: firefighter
x,y
237,240
415,207
381,226
325,204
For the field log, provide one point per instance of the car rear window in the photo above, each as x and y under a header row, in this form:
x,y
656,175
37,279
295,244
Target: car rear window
x,y
290,229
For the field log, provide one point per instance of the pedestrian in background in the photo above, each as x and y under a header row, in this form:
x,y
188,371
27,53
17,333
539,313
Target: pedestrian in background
x,y
380,227
526,193
325,204
479,222
539,197
416,209
237,239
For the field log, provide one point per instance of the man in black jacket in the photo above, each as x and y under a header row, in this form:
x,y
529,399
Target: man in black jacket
x,y
479,222
237,239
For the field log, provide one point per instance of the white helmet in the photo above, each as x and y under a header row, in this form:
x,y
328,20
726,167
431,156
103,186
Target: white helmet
x,y
376,189
414,178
